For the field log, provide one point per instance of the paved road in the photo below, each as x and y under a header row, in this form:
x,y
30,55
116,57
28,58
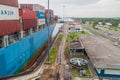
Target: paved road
x,y
112,37
61,56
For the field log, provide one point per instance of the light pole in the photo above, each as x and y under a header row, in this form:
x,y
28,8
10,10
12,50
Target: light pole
x,y
63,12
48,33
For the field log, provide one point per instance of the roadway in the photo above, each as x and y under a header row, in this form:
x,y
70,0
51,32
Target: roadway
x,y
61,56
107,34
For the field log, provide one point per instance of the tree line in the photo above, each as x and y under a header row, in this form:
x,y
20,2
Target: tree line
x,y
113,21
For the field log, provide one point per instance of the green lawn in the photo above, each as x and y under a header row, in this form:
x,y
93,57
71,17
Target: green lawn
x,y
88,25
53,54
60,36
75,35
112,29
75,72
71,37
87,70
54,49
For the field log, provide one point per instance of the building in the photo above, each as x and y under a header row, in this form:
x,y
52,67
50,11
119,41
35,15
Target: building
x,y
108,25
103,56
73,28
76,47
119,25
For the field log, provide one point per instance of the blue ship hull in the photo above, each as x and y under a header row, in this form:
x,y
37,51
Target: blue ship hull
x,y
15,55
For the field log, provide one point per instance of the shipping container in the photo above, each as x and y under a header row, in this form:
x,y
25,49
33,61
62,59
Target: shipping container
x,y
37,7
29,23
51,16
13,3
49,11
8,13
27,14
40,15
40,21
26,6
52,20
47,21
47,15
9,26
56,18
34,7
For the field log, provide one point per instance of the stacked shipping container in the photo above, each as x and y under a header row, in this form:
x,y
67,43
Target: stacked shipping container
x,y
28,18
31,16
9,17
26,6
8,27
56,18
50,16
41,18
13,3
40,11
34,7
47,16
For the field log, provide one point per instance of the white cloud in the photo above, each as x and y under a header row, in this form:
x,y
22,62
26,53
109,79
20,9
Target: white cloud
x,y
103,8
82,8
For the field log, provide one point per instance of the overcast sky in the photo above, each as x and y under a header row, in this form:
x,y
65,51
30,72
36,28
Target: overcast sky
x,y
82,8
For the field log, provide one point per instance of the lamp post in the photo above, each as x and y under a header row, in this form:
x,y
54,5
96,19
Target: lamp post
x,y
48,34
63,12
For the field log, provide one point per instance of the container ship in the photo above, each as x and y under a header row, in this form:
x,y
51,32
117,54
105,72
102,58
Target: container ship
x,y
23,31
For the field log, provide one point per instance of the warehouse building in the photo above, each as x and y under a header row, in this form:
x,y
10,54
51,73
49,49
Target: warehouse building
x,y
103,56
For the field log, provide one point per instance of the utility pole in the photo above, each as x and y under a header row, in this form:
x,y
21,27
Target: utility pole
x,y
63,13
48,34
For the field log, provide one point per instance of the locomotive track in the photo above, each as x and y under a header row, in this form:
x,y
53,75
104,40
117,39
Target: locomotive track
x,y
35,63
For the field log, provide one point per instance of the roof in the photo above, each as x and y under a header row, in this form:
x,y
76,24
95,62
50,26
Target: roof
x,y
119,25
102,52
108,24
76,45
